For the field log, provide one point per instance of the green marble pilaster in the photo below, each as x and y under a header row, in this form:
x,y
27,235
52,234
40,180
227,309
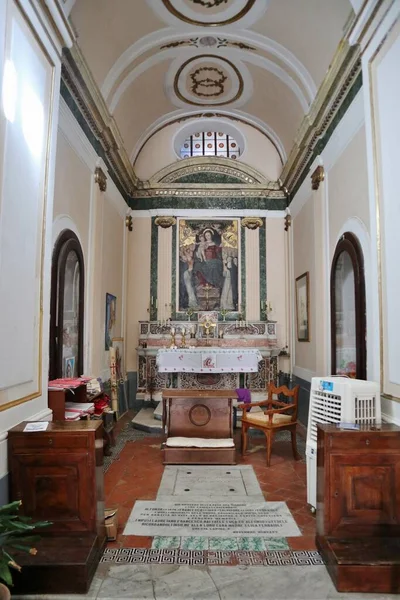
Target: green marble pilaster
x,y
242,269
263,265
153,269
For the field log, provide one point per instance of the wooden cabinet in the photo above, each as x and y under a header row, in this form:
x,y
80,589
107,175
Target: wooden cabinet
x,y
58,475
358,506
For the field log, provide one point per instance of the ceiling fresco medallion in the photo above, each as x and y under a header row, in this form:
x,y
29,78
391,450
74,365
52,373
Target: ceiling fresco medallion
x,y
207,79
209,13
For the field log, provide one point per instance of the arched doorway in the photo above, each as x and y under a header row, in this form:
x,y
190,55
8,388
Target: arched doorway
x,y
348,320
66,308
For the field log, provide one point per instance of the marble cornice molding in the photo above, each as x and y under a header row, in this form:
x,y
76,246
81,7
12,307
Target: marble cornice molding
x,y
84,91
208,190
344,70
220,166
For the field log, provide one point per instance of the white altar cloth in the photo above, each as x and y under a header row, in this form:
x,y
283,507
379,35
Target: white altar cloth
x,y
208,360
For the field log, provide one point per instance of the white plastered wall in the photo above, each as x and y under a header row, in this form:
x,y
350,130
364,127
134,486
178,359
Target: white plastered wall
x,y
319,219
98,219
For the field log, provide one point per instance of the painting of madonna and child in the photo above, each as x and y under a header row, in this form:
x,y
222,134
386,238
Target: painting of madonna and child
x,y
208,264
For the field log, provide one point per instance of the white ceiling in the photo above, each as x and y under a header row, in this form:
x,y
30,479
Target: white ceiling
x,y
260,61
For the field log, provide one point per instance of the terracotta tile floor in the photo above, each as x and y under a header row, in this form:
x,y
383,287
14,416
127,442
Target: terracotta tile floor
x,y
136,475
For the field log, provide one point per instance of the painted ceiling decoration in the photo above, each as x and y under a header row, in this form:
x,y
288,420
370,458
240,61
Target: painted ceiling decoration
x,y
209,13
280,71
208,80
208,41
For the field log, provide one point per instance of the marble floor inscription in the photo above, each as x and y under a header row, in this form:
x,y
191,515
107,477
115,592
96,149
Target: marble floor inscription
x,y
214,519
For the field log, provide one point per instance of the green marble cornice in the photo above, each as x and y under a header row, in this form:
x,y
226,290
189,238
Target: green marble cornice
x,y
208,178
199,202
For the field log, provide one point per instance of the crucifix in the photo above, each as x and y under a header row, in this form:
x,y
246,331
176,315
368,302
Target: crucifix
x,y
207,288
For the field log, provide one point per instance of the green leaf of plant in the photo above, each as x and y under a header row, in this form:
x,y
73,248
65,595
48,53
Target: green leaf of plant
x,y
13,507
5,573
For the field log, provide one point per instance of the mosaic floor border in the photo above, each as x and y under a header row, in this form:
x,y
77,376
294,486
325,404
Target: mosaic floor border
x,y
269,558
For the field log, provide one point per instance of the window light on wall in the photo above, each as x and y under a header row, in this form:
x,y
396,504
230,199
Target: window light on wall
x,y
210,143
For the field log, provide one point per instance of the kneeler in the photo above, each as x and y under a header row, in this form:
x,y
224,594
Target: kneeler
x,y
199,431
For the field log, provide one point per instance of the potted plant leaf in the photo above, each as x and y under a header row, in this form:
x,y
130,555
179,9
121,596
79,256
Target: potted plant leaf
x,y
15,534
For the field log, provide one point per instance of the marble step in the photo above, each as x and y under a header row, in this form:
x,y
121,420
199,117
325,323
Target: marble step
x,y
145,421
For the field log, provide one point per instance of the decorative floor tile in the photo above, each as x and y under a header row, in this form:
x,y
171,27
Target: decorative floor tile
x,y
223,544
194,543
218,557
165,543
275,544
251,543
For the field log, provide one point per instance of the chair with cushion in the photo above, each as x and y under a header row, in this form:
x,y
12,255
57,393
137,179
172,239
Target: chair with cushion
x,y
275,416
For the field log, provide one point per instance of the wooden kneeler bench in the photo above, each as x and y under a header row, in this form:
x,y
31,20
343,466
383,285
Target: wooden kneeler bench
x,y
199,427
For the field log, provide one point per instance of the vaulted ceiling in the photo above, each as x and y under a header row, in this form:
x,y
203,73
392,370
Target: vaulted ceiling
x,y
259,62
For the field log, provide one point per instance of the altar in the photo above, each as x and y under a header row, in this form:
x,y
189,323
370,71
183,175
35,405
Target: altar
x,y
238,354
208,360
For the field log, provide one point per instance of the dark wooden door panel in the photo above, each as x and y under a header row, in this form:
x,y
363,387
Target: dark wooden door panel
x,y
57,488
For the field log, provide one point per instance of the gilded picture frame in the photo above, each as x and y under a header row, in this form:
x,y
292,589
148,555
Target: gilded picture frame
x,y
303,307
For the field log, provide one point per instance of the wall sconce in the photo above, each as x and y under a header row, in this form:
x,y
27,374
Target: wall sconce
x,y
317,177
128,222
288,221
101,179
252,222
165,221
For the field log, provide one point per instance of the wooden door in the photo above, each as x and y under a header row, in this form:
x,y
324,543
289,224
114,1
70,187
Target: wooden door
x,y
365,494
58,487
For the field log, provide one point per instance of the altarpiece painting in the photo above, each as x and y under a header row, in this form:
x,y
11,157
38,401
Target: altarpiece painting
x,y
208,259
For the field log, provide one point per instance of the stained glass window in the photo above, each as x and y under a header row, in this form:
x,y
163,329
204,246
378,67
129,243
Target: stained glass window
x,y
210,143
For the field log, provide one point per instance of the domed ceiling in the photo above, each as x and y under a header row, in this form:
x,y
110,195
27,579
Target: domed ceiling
x,y
259,62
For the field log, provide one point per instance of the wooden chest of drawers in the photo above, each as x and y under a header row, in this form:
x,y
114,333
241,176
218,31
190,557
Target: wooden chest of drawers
x,y
358,506
58,475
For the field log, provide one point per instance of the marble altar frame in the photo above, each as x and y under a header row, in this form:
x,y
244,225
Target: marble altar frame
x,y
181,316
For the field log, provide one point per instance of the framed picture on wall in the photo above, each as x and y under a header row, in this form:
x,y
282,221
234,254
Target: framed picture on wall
x,y
303,308
111,311
70,367
208,261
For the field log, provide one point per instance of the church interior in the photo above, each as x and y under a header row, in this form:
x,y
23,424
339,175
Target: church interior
x,y
202,395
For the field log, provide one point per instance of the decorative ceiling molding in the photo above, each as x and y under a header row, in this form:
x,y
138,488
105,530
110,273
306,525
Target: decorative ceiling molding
x,y
185,115
211,165
344,70
81,86
231,54
231,14
217,19
208,41
171,34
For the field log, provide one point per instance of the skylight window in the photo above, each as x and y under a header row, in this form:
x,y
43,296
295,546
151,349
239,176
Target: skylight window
x,y
210,143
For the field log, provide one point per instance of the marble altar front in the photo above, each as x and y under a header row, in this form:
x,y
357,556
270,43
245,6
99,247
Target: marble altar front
x,y
154,336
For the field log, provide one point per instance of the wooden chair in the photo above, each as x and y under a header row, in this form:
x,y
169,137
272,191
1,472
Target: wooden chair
x,y
277,417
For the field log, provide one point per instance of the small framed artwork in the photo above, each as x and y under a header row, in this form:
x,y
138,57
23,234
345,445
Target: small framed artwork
x,y
303,308
70,367
118,344
111,311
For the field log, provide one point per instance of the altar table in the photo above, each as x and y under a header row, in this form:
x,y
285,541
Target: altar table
x,y
208,360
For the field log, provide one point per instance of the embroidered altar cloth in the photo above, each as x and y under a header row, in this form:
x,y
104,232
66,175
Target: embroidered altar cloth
x,y
208,360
